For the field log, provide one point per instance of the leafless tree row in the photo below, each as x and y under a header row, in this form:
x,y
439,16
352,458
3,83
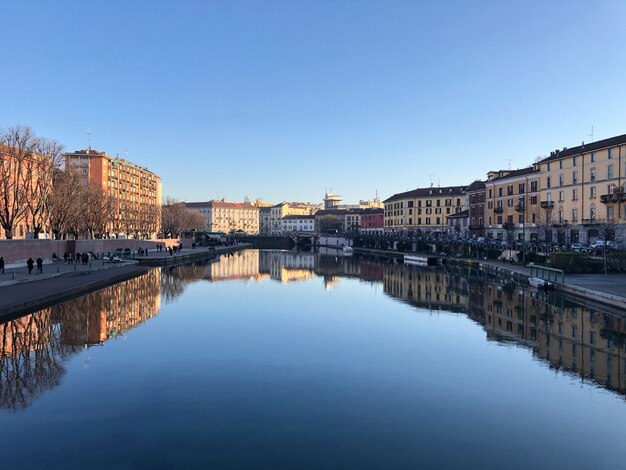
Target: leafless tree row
x,y
177,218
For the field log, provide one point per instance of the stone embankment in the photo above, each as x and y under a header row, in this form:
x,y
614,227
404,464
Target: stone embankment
x,y
21,292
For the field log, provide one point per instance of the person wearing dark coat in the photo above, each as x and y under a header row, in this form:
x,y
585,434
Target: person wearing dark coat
x,y
30,263
39,265
2,264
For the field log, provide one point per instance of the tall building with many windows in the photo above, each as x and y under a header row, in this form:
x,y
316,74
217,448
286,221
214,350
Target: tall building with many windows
x,y
583,190
424,209
136,191
228,217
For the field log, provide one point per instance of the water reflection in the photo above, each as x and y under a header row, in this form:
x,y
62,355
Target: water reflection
x,y
36,346
585,341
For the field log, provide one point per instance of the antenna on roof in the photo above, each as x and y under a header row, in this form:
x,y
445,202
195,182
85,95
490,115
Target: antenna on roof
x,y
591,135
509,160
88,131
431,180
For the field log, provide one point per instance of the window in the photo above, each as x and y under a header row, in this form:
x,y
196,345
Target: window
x,y
592,191
593,157
548,166
548,182
592,175
560,164
532,218
509,202
574,161
575,177
574,194
561,196
610,172
561,215
521,188
592,211
533,186
574,214
561,179
610,154
499,192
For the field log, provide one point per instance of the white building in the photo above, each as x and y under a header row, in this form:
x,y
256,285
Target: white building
x,y
228,217
298,224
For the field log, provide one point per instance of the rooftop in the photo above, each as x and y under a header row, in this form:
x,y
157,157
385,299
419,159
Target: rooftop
x,y
593,146
430,191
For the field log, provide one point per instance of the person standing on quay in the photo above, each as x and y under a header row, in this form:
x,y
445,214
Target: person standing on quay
x,y
30,263
39,265
2,264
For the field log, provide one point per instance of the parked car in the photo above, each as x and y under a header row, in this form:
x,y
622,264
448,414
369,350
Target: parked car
x,y
580,248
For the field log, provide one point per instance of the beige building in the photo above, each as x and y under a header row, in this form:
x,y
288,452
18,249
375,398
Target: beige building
x,y
583,191
513,209
228,217
424,209
279,211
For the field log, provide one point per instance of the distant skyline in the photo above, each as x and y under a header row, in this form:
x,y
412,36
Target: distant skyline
x,y
285,100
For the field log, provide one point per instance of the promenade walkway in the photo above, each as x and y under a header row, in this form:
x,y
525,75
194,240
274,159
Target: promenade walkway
x,y
21,292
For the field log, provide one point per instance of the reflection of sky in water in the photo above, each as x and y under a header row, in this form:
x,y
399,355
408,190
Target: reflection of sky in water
x,y
266,372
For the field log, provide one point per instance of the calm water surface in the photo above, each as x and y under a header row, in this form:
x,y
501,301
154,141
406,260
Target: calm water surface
x,y
273,359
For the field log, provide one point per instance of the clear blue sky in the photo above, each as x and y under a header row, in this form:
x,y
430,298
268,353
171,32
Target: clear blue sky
x,y
285,99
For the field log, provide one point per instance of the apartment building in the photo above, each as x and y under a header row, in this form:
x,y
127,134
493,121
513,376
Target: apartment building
x,y
283,209
372,221
136,190
583,191
513,210
229,217
423,209
298,224
476,196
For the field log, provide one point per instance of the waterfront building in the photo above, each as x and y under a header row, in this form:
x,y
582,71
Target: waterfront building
x,y
513,210
265,220
329,221
135,190
352,220
298,224
423,210
372,221
228,217
476,195
583,191
283,209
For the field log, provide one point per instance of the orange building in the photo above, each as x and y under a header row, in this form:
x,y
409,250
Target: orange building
x,y
136,190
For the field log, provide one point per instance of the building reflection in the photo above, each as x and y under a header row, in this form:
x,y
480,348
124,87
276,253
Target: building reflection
x,y
589,342
35,347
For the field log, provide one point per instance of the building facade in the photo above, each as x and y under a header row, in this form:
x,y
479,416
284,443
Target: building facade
x,y
372,221
298,224
458,224
513,210
137,191
228,217
583,192
476,202
278,211
423,210
265,220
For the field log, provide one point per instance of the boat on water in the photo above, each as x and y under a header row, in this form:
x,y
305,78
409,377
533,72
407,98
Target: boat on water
x,y
348,249
415,259
539,283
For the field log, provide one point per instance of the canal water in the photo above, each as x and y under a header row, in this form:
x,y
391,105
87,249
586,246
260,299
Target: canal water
x,y
271,359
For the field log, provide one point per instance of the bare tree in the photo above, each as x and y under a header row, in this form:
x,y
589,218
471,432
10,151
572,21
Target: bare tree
x,y
16,150
65,201
98,209
176,218
45,162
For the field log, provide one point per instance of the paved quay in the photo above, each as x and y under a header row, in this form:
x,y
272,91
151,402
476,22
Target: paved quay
x,y
21,292
606,289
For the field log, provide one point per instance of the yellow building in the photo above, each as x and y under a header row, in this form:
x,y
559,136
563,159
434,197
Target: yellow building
x,y
583,190
512,198
424,209
278,211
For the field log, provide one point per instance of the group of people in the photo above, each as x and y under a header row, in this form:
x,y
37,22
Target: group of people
x,y
30,264
82,258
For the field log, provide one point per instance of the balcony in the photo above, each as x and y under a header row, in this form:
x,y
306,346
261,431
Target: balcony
x,y
498,210
587,222
520,207
547,204
613,198
508,226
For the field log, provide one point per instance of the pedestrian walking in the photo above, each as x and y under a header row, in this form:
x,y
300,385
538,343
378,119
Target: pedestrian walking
x,y
77,258
29,264
65,257
39,265
85,258
2,264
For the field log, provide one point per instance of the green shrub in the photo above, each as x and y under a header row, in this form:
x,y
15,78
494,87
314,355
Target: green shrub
x,y
576,263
